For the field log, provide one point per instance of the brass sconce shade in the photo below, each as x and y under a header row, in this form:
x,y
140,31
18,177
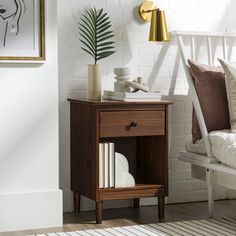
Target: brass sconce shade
x,y
148,11
158,29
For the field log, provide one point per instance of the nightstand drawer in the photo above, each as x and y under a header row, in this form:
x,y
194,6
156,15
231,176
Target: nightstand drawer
x,y
132,123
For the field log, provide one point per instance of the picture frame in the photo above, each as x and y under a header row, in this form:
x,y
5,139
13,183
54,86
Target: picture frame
x,y
22,37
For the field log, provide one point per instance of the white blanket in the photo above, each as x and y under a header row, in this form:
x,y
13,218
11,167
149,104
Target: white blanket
x,y
223,147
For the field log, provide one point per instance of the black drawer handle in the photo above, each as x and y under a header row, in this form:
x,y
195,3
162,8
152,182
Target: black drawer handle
x,y
133,124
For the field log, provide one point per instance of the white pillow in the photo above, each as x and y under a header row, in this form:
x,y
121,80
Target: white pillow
x,y
230,81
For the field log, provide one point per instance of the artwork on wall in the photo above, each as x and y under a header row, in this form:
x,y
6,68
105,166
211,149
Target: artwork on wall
x,y
22,30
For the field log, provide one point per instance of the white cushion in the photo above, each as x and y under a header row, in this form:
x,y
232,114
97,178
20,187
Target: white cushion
x,y
224,146
223,143
230,80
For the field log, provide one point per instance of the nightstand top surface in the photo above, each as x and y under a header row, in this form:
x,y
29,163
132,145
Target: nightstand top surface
x,y
113,102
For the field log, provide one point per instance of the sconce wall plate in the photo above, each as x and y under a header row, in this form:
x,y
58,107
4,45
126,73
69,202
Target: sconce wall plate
x,y
145,10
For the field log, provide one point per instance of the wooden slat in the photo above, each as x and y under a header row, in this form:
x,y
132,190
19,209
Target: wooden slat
x,y
193,49
224,48
209,50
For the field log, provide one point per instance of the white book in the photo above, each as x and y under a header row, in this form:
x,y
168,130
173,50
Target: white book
x,y
132,99
101,165
111,165
138,95
105,166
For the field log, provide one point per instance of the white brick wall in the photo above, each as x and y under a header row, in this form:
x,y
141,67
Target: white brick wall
x,y
158,63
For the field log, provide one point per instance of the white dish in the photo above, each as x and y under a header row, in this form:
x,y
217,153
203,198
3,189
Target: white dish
x,y
123,78
122,71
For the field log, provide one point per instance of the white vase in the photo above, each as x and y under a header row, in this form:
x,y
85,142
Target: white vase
x,y
94,82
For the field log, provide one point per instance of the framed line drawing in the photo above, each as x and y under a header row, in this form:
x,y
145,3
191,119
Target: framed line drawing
x,y
22,30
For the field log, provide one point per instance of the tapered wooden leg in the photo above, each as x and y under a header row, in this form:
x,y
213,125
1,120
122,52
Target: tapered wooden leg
x,y
99,212
161,207
136,203
76,202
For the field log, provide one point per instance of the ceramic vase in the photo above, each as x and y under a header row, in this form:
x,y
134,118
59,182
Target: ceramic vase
x,y
94,82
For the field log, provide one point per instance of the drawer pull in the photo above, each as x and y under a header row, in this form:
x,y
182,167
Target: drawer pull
x,y
133,124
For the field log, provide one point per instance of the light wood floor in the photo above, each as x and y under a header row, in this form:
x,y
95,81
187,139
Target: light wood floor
x,y
130,216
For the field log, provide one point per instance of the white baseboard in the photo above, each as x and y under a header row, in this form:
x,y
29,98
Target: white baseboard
x,y
31,210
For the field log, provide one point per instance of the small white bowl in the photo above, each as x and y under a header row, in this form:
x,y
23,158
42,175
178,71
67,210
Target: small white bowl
x,y
123,78
122,71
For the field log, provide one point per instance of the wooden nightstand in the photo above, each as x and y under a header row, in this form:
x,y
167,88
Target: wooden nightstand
x,y
144,122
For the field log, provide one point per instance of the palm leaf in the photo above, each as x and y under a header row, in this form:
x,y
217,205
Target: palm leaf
x,y
103,30
89,22
103,21
87,29
103,27
105,38
91,16
87,43
95,33
105,54
87,51
99,13
104,34
105,48
105,44
102,16
87,37
88,46
100,27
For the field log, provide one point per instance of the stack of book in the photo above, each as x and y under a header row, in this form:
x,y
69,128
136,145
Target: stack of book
x,y
106,165
132,97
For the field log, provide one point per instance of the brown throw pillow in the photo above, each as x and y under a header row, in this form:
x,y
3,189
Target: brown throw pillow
x,y
210,86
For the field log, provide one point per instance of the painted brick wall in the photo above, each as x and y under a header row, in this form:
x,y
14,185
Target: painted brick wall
x,y
158,63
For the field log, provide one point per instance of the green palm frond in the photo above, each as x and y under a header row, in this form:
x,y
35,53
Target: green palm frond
x,y
96,34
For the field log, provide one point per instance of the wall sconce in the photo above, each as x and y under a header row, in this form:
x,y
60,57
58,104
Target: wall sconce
x,y
148,11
